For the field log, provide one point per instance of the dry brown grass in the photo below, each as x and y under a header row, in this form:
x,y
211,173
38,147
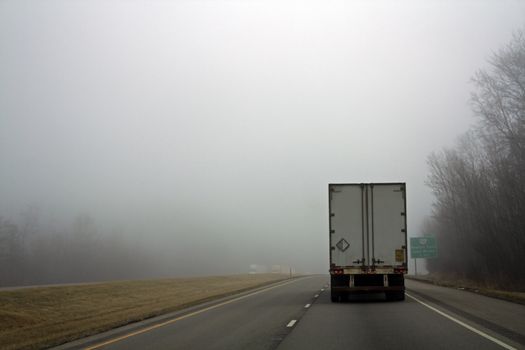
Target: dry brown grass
x,y
36,318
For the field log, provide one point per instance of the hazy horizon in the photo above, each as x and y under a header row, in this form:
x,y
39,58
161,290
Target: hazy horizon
x,y
207,132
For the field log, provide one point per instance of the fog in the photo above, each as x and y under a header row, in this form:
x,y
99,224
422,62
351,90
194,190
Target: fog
x,y
206,132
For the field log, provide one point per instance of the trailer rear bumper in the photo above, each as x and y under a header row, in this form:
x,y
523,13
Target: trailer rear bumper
x,y
362,289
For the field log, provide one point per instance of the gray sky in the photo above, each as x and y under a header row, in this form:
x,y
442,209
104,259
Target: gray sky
x,y
212,128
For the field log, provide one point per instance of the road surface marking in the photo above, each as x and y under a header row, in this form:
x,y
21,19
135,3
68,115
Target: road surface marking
x,y
291,323
158,325
307,306
316,296
470,328
322,290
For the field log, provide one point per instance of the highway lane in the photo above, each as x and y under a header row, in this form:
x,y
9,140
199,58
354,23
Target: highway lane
x,y
254,321
289,316
372,323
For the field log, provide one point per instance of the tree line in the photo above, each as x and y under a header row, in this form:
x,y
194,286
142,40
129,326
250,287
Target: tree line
x,y
33,253
479,184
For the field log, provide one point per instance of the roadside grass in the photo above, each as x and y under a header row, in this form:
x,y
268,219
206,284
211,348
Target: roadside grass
x,y
41,317
471,286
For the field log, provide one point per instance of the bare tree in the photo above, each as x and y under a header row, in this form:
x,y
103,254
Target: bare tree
x,y
480,184
10,253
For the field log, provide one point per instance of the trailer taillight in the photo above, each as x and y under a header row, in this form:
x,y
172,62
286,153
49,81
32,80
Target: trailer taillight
x,y
401,269
337,271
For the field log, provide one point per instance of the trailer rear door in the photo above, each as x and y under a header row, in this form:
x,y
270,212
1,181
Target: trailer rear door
x,y
346,225
367,224
387,220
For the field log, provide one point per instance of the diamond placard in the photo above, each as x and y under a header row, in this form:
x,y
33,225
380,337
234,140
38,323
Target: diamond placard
x,y
342,245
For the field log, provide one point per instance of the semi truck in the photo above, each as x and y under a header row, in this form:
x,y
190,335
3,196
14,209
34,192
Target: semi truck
x,y
368,239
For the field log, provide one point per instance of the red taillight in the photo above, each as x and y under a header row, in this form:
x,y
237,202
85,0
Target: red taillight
x,y
337,271
400,269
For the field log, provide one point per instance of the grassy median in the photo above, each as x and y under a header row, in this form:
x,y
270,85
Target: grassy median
x,y
37,318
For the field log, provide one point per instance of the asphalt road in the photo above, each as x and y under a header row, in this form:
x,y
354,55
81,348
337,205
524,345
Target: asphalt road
x,y
372,323
290,316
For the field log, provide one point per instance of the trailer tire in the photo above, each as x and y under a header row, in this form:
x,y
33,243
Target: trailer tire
x,y
334,296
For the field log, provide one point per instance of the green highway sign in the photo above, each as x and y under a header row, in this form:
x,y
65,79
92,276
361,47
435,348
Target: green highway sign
x,y
423,247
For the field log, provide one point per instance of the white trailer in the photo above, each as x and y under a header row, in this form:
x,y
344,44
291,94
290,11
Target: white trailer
x,y
368,239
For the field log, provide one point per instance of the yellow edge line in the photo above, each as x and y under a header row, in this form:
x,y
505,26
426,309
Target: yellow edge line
x,y
158,325
470,328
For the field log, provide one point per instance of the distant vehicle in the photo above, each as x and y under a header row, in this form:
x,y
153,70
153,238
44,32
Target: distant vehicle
x,y
257,268
368,239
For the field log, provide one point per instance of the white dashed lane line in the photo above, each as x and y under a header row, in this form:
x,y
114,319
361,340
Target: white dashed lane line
x,y
194,313
307,306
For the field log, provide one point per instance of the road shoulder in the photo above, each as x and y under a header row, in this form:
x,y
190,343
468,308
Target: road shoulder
x,y
515,297
496,317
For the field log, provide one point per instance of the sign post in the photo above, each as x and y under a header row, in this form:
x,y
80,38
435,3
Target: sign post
x,y
422,247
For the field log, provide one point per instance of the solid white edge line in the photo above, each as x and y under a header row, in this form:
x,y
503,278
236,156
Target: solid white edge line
x,y
307,306
470,328
291,323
